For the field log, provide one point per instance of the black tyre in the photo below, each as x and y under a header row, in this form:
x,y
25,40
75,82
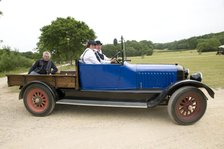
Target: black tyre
x,y
187,105
38,100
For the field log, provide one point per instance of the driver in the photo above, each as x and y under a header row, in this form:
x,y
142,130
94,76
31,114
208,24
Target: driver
x,y
99,51
91,55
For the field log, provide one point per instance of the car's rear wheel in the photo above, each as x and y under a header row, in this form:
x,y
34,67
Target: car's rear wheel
x,y
38,100
187,105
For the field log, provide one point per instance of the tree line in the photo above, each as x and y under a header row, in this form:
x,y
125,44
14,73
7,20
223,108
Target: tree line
x,y
204,43
132,48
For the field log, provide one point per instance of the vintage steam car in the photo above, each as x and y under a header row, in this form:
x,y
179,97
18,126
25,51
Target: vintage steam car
x,y
117,85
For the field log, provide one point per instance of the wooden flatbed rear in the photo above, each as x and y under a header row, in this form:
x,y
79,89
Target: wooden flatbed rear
x,y
62,80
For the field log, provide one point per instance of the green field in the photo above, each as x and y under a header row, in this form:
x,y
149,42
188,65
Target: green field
x,y
210,64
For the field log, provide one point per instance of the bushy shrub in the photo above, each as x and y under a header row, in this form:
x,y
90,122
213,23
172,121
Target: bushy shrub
x,y
208,45
10,60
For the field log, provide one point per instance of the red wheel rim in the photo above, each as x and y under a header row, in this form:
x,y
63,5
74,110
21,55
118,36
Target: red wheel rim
x,y
189,105
37,100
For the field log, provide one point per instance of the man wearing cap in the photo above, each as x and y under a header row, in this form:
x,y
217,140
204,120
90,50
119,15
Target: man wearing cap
x,y
99,51
90,55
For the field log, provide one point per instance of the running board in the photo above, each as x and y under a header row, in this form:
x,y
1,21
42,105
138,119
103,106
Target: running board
x,y
103,103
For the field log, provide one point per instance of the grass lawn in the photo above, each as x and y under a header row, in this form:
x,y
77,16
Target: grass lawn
x,y
210,64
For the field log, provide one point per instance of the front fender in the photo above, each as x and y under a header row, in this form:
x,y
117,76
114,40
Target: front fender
x,y
36,82
171,89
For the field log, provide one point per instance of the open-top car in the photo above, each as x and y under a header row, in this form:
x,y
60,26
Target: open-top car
x,y
117,85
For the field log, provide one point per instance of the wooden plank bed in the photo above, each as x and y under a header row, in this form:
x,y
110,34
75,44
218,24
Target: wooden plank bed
x,y
61,80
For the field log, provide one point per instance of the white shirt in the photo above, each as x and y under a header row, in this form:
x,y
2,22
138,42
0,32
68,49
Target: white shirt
x,y
89,57
105,57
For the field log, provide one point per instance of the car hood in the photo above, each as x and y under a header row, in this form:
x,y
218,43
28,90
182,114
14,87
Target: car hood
x,y
155,67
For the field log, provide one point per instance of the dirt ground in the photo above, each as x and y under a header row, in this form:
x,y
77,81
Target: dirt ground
x,y
105,128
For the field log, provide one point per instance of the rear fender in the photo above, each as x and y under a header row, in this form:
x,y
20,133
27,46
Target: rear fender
x,y
51,89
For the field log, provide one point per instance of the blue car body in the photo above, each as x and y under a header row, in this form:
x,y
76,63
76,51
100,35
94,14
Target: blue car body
x,y
127,76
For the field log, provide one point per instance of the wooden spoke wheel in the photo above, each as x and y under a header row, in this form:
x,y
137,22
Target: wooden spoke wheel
x,y
38,100
187,105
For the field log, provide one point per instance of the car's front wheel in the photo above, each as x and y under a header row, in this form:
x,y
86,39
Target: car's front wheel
x,y
187,105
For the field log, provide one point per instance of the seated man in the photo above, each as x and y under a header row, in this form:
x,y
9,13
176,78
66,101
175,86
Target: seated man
x,y
43,66
90,55
99,51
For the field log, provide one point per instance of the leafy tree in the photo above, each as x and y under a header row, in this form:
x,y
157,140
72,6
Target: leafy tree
x,y
147,47
192,42
159,46
222,40
64,38
130,51
31,55
110,49
208,45
220,37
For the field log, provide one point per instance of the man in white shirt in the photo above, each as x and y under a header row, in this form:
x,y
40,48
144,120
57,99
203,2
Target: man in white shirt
x,y
99,51
90,55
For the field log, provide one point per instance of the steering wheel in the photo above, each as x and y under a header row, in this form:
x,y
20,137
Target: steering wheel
x,y
115,57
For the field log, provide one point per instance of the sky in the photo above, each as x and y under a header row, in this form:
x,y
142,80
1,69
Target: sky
x,y
156,20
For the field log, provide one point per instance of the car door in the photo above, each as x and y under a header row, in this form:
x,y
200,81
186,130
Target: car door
x,y
106,77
